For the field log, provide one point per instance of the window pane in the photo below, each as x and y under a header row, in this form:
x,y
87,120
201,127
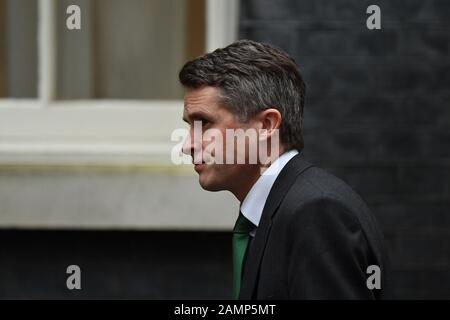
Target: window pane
x,y
18,48
128,49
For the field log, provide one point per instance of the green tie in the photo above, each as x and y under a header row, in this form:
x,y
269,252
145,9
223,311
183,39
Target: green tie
x,y
241,232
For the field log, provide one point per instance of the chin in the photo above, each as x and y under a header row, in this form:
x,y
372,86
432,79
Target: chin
x,y
209,185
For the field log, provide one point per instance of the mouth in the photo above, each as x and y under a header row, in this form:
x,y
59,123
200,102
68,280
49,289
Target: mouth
x,y
199,166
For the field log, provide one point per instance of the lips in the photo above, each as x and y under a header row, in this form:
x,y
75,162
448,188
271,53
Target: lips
x,y
199,167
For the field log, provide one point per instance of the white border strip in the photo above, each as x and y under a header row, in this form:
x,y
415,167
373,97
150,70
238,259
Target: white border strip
x,y
46,51
221,23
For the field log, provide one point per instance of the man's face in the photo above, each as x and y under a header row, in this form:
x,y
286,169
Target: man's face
x,y
202,105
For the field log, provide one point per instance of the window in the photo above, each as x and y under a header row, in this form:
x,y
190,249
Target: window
x,y
132,50
105,94
18,49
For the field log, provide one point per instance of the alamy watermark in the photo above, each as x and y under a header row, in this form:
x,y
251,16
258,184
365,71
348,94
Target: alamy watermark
x,y
73,21
234,146
73,281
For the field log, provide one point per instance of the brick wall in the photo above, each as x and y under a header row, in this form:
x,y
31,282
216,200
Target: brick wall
x,y
115,264
377,115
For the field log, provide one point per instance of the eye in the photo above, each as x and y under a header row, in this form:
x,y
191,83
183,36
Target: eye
x,y
203,122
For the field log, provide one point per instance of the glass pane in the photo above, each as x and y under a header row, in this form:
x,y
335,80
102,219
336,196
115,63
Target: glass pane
x,y
128,49
18,48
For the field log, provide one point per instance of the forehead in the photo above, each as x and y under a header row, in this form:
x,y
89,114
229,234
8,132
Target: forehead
x,y
202,99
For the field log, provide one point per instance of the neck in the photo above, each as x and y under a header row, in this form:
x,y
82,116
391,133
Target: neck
x,y
243,188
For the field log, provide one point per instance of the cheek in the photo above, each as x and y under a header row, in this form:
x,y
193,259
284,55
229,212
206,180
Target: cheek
x,y
229,172
218,171
214,142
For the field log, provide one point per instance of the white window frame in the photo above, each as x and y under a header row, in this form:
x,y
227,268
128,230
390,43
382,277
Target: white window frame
x,y
45,131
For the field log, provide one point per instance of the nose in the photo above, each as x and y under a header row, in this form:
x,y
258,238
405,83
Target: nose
x,y
188,146
193,147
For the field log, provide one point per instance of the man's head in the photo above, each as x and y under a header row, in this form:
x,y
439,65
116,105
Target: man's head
x,y
247,85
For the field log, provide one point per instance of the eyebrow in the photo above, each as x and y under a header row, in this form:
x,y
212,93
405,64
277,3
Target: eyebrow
x,y
197,115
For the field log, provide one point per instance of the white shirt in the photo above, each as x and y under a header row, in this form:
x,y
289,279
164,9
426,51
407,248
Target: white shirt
x,y
253,204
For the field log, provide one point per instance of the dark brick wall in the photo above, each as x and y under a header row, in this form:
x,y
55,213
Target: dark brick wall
x,y
377,115
115,264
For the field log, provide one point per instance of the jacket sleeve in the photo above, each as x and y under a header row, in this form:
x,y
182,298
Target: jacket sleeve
x,y
328,253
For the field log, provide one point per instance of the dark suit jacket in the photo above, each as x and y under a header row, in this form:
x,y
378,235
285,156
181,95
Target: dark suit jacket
x,y
315,240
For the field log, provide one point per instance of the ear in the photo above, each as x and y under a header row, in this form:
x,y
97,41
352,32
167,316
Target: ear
x,y
270,122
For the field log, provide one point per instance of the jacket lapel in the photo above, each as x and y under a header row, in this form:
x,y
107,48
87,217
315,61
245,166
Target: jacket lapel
x,y
279,189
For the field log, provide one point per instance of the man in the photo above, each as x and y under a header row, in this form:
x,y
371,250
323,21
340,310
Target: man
x,y
301,233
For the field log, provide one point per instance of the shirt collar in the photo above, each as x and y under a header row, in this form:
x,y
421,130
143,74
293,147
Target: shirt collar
x,y
253,204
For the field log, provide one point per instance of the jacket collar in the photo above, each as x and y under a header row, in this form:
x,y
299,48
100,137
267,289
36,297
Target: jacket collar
x,y
279,189
253,204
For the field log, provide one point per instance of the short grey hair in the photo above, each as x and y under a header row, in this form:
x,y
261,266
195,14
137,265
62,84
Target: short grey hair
x,y
252,77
